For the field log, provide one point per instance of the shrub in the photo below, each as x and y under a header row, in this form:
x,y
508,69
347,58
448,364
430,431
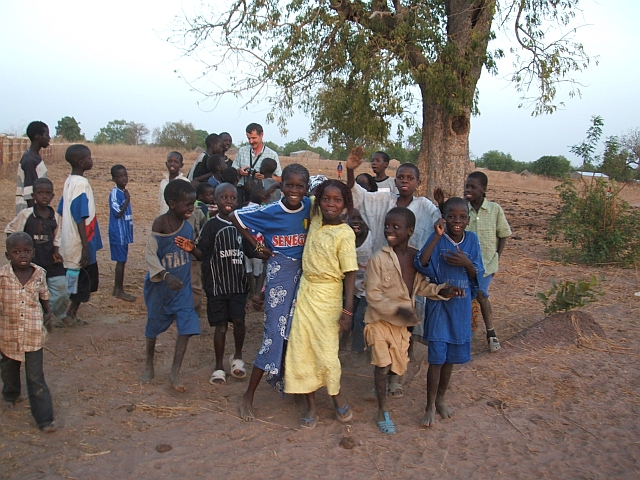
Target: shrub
x,y
595,226
555,166
569,295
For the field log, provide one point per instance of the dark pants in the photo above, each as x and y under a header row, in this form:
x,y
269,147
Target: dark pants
x,y
39,395
357,329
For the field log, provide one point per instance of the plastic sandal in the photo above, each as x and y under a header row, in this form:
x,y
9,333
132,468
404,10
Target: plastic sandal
x,y
386,426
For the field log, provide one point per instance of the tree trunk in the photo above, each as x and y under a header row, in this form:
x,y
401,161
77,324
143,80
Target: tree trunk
x,y
444,155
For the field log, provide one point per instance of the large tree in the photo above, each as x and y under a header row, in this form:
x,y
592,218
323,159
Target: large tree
x,y
69,129
121,131
370,58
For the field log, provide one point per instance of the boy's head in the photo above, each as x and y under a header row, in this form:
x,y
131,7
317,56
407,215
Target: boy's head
x,y
230,175
475,187
174,163
456,216
267,167
205,192
257,195
357,223
226,141
39,132
399,224
226,199
379,162
19,249
407,179
367,182
79,157
42,192
216,164
214,143
119,176
180,197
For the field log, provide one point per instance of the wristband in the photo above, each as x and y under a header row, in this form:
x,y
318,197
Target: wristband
x,y
259,247
165,275
347,312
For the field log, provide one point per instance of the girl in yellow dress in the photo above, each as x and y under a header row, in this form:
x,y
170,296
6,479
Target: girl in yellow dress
x,y
329,267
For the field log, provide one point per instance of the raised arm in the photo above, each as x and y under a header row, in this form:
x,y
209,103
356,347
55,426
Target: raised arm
x,y
353,161
427,251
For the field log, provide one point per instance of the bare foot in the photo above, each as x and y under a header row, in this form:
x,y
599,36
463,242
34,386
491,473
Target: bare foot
x,y
245,409
443,410
122,295
147,376
429,419
174,381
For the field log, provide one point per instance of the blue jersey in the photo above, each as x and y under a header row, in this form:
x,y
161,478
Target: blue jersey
x,y
284,230
450,321
120,229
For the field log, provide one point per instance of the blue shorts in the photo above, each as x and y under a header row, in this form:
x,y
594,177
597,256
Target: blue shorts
x,y
119,253
483,285
443,352
186,318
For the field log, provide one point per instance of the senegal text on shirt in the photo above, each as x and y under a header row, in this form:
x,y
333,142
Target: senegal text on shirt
x,y
288,240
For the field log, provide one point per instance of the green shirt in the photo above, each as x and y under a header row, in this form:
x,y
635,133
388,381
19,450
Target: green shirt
x,y
490,224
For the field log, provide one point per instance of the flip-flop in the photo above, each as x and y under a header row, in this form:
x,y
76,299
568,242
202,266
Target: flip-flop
x,y
308,423
218,377
344,414
386,426
237,364
395,390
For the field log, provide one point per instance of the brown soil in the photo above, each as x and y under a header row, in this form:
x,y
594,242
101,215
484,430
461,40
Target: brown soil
x,y
555,402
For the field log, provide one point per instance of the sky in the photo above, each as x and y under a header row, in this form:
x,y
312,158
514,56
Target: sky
x,y
104,61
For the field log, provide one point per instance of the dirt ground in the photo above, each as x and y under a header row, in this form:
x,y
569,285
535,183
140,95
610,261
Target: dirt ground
x,y
554,402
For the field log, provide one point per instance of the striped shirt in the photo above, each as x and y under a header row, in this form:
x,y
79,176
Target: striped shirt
x,y
490,224
223,270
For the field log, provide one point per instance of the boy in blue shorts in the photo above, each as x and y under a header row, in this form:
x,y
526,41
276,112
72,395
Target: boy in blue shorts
x,y
120,228
451,255
167,285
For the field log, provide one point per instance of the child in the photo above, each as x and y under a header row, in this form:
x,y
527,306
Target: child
x,y
205,199
271,186
23,298
451,256
227,141
167,285
80,234
174,164
487,220
367,182
224,281
216,166
329,268
339,170
230,175
31,165
379,165
120,228
392,283
42,224
284,226
255,266
200,171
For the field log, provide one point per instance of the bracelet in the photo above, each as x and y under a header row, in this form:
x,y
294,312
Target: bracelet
x,y
259,247
347,312
165,275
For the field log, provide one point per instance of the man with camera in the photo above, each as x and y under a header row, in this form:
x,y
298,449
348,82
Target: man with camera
x,y
249,158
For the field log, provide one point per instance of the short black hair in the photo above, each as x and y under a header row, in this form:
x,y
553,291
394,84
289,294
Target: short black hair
x,y
42,181
344,191
412,166
257,194
225,133
453,202
385,158
116,168
76,152
225,186
268,166
36,128
17,238
230,175
373,185
177,189
481,177
211,139
296,169
202,188
214,161
175,154
405,213
254,127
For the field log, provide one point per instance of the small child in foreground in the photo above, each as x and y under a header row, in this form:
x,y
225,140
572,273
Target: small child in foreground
x,y
391,295
120,228
167,285
451,256
23,299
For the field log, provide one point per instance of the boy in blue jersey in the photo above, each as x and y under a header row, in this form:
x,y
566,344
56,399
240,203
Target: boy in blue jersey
x,y
167,285
120,228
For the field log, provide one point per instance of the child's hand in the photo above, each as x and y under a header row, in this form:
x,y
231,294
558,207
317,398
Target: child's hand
x,y
126,194
438,196
265,253
57,258
457,259
84,256
408,314
345,322
439,227
185,244
354,160
48,317
174,282
450,292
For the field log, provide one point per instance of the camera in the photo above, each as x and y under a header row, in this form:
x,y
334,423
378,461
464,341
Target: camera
x,y
251,172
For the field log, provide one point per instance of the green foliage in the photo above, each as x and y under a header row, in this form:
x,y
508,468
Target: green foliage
x,y
201,138
302,144
121,131
177,135
586,149
594,226
498,161
273,146
555,166
616,161
570,295
69,129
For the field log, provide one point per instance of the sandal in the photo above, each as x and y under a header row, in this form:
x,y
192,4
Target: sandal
x,y
218,377
386,426
309,423
395,390
344,414
237,365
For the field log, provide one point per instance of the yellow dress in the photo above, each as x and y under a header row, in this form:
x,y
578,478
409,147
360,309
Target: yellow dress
x,y
312,359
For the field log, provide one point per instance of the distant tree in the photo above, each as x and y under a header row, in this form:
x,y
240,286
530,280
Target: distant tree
x,y
615,161
202,137
274,146
631,143
498,161
176,135
302,144
121,131
586,148
69,129
136,134
555,166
